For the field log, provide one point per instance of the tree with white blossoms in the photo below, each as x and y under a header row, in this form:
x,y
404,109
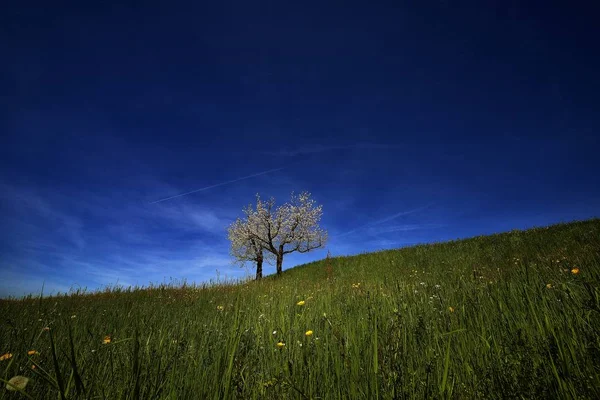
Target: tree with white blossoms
x,y
246,248
292,227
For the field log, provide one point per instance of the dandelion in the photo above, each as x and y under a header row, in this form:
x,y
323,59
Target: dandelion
x,y
17,383
549,286
107,339
451,309
280,344
32,352
270,383
220,308
5,356
309,333
301,303
575,271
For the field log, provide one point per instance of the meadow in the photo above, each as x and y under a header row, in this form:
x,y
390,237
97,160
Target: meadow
x,y
508,316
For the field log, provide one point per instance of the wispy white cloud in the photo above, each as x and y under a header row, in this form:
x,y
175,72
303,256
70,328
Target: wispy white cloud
x,y
134,244
141,269
218,184
19,284
379,244
319,148
384,220
34,215
192,216
120,266
400,214
378,230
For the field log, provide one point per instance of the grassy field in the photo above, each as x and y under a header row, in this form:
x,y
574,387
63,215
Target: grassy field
x,y
513,315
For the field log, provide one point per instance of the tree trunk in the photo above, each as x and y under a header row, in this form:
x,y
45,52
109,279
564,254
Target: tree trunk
x,y
279,263
259,263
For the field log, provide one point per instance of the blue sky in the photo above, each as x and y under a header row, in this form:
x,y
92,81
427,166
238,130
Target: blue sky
x,y
409,123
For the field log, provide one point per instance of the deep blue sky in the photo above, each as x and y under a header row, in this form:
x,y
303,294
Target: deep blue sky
x,y
409,122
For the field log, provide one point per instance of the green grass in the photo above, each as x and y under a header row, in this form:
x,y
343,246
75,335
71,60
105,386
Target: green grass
x,y
382,324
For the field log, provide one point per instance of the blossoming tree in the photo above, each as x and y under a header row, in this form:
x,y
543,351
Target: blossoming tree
x,y
245,248
292,227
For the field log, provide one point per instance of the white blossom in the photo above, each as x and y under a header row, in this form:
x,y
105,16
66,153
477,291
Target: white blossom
x,y
278,231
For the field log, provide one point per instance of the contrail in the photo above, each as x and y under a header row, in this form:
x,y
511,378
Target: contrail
x,y
391,217
319,148
381,221
218,184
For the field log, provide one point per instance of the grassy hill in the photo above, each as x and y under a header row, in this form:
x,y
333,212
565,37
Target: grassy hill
x,y
512,315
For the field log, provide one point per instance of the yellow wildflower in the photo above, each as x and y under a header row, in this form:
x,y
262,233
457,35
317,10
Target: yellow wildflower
x,y
309,333
17,383
5,356
575,271
220,308
280,344
549,286
301,303
451,309
107,339
270,383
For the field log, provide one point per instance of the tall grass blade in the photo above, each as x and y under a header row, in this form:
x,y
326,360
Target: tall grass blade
x,y
59,378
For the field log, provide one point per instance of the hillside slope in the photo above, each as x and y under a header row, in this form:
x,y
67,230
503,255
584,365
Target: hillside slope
x,y
513,315
547,251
